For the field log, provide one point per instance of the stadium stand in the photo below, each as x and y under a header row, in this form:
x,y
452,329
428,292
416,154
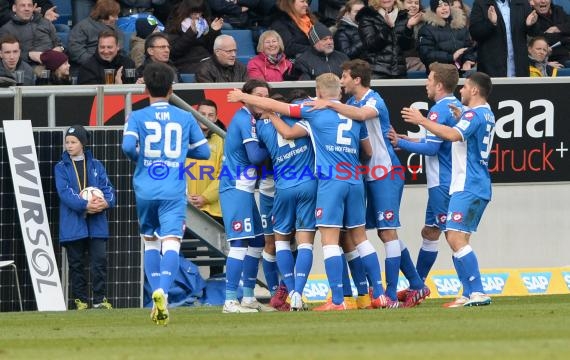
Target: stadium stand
x,y
64,37
188,78
564,72
64,11
416,75
244,40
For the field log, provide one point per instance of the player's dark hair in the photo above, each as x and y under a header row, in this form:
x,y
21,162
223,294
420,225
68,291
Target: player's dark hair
x,y
158,78
445,74
297,94
358,68
250,85
483,82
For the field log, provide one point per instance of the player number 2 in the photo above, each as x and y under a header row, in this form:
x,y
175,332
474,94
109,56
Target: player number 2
x,y
172,133
282,142
340,139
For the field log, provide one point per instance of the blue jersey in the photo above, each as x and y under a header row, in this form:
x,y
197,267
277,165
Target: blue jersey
x,y
470,157
237,171
165,135
438,167
336,140
383,154
293,160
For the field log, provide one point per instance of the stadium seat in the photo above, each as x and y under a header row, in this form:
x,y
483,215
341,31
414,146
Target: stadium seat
x,y
564,72
314,6
416,75
244,41
10,263
188,78
64,38
64,11
564,3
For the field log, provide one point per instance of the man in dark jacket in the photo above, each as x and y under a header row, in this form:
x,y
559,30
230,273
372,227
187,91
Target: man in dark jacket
x,y
11,61
554,24
156,49
500,53
223,66
106,57
321,57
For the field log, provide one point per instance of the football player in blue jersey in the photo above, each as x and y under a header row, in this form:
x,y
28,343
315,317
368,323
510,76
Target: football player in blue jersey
x,y
159,138
384,183
470,186
441,83
338,142
242,221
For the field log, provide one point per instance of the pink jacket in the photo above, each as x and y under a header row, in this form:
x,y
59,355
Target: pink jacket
x,y
259,67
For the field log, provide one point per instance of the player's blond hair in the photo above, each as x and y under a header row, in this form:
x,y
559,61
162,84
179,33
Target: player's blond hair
x,y
328,85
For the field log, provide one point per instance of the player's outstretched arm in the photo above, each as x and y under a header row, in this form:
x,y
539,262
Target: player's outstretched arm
x,y
286,131
414,116
237,95
200,152
352,112
255,153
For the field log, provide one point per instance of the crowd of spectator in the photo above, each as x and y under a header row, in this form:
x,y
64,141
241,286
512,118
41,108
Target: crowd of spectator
x,y
499,37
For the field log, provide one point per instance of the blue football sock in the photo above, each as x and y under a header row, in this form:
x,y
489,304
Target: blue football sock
x,y
358,272
250,269
333,268
303,266
371,266
169,264
392,266
285,263
234,267
152,263
408,268
461,276
426,257
346,285
471,267
271,272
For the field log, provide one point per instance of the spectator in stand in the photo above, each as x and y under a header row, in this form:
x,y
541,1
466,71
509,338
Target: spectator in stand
x,y
554,24
191,37
413,62
145,26
293,20
346,37
445,38
106,57
458,4
84,36
157,49
501,49
12,62
223,66
236,13
270,64
538,56
35,33
386,33
329,11
131,10
58,65
321,58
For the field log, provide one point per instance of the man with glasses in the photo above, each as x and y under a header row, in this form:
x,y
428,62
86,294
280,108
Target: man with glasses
x,y
156,49
223,66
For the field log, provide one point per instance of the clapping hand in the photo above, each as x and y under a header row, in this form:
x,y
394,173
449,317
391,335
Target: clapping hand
x,y
235,95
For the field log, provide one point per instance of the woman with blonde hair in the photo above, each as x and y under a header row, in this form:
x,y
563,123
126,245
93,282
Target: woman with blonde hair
x,y
270,64
346,37
293,21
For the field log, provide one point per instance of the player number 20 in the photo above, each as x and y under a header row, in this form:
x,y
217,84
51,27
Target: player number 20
x,y
172,134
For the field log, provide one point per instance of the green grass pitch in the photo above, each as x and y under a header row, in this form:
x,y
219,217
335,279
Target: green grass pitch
x,y
536,327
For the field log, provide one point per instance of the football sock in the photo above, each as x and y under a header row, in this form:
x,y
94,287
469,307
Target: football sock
x,y
169,263
346,285
392,265
270,271
372,268
303,266
461,276
152,263
234,267
408,268
467,258
285,262
334,268
426,257
357,271
250,269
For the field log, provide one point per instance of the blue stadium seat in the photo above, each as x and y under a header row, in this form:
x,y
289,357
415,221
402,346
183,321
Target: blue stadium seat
x,y
188,78
244,41
64,38
563,72
314,6
416,75
565,4
64,11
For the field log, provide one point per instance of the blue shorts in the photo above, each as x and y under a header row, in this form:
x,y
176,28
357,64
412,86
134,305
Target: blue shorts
x,y
240,213
162,218
383,202
266,212
340,203
294,208
465,211
438,203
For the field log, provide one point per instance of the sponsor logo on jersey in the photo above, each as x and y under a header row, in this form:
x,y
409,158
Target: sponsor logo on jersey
x,y
441,218
389,215
237,226
468,115
566,276
536,282
447,285
319,213
494,283
432,116
455,216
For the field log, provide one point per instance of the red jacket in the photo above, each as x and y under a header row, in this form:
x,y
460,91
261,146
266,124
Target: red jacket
x,y
259,67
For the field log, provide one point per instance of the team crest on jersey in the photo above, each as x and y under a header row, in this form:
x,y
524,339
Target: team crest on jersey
x,y
432,116
319,213
237,226
442,218
456,216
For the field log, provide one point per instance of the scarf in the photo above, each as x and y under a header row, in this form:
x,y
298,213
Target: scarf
x,y
304,23
201,26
